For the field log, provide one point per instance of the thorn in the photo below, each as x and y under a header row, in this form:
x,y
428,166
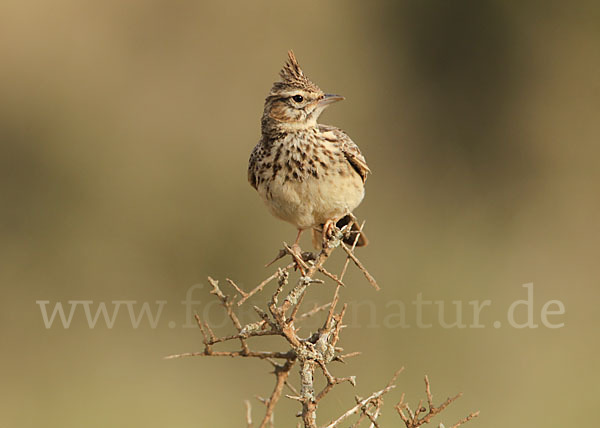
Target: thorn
x,y
294,397
281,254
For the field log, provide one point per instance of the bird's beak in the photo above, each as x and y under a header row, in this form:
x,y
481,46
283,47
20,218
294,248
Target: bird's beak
x,y
329,99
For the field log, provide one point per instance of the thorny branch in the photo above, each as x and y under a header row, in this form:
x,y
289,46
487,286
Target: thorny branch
x,y
422,415
313,354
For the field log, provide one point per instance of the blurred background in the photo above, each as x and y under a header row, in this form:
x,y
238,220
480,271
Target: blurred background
x,y
125,131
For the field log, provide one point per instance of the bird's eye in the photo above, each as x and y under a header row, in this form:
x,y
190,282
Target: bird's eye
x,y
298,98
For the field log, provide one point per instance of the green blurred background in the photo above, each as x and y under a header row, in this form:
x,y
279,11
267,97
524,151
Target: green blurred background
x,y
125,129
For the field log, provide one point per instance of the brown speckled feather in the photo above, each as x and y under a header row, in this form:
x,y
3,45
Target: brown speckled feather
x,y
350,150
308,174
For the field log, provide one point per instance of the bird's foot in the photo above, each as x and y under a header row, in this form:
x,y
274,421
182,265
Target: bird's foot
x,y
331,234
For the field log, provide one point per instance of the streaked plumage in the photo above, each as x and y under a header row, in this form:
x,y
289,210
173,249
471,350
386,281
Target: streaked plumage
x,y
307,174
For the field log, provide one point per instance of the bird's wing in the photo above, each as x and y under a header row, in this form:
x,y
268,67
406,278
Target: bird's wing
x,y
356,159
350,150
252,166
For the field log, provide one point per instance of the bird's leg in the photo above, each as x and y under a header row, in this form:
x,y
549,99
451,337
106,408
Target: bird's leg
x,y
296,247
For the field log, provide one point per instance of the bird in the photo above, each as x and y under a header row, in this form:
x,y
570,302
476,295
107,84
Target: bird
x,y
308,174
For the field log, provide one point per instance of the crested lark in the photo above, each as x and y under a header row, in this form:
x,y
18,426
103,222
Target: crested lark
x,y
308,174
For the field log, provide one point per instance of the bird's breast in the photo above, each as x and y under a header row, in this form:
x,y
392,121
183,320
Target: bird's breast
x,y
307,182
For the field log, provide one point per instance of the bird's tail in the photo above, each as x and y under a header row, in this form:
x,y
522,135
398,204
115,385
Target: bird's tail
x,y
351,232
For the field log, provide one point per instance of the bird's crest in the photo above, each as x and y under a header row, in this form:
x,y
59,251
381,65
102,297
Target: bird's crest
x,y
292,76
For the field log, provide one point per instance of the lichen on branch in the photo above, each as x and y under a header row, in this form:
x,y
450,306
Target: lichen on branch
x,y
311,354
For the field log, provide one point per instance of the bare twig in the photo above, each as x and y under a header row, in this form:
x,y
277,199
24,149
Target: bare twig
x,y
360,267
353,248
281,373
252,354
414,419
331,276
313,311
260,286
238,289
248,414
312,354
359,405
465,420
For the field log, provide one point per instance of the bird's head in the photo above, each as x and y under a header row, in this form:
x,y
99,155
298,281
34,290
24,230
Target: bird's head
x,y
294,102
